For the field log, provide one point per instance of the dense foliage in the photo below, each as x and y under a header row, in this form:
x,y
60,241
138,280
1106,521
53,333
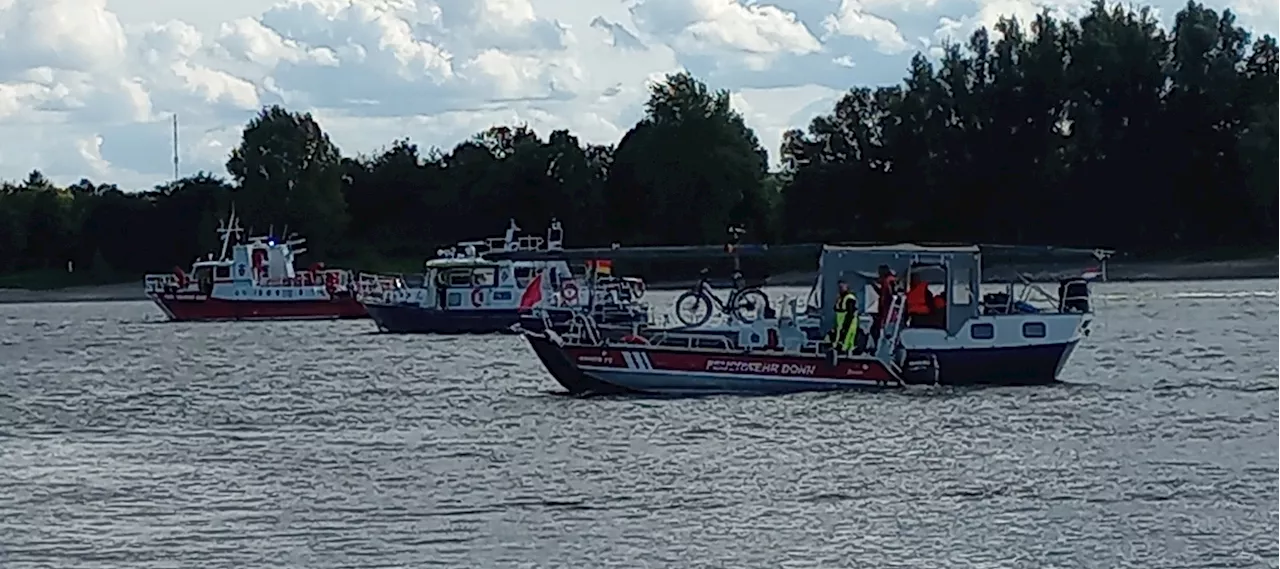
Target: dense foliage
x,y
1105,131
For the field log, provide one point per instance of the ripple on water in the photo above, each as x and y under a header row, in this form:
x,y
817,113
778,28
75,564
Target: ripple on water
x,y
131,443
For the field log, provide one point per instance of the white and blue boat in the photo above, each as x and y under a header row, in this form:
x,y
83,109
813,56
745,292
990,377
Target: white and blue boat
x,y
464,292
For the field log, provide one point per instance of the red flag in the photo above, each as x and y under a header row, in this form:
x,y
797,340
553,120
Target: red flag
x,y
532,294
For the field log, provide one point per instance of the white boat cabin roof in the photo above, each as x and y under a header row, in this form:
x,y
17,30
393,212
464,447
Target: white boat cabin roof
x,y
904,248
460,263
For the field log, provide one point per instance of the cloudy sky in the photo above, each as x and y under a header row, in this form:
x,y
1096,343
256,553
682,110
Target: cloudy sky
x,y
87,87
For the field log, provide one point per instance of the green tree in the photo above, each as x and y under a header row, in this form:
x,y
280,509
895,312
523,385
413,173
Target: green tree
x,y
289,174
688,169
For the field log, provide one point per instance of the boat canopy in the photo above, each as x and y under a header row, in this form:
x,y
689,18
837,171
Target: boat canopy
x,y
957,267
858,265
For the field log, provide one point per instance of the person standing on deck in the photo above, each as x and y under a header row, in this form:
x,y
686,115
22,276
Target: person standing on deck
x,y
885,286
919,301
846,330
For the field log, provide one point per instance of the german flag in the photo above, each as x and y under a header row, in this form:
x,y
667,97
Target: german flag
x,y
602,267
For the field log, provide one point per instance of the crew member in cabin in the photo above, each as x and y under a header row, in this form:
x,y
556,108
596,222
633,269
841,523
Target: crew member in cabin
x,y
939,310
845,333
919,302
885,285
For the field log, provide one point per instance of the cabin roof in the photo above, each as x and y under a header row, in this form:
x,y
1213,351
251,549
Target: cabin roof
x,y
458,262
640,253
902,248
755,250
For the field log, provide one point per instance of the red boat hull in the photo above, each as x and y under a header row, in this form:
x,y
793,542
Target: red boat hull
x,y
201,308
613,369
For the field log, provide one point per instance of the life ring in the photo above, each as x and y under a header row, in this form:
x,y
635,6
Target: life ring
x,y
569,292
637,289
477,297
634,339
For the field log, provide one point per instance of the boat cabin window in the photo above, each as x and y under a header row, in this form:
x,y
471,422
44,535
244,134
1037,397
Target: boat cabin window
x,y
1033,330
961,291
523,276
222,272
982,331
484,276
457,277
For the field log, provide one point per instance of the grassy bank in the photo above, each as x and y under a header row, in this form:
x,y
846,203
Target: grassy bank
x,y
54,279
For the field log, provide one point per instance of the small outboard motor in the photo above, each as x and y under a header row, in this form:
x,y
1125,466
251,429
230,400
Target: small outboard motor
x,y
1073,295
920,369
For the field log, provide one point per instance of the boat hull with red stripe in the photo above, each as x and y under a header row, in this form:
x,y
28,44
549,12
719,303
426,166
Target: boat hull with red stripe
x,y
186,307
666,370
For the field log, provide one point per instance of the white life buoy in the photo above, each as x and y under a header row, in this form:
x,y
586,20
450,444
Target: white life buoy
x,y
569,292
477,297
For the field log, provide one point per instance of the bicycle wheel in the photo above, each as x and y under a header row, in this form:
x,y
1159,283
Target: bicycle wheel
x,y
750,304
693,308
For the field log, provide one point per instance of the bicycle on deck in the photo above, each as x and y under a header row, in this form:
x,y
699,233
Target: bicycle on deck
x,y
746,303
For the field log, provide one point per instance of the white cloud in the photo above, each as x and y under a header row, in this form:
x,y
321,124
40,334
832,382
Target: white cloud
x,y
1258,12
852,20
87,86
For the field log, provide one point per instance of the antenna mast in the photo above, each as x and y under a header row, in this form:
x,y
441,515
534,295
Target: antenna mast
x,y
175,147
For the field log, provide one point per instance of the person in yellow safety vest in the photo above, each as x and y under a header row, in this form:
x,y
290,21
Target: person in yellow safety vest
x,y
845,334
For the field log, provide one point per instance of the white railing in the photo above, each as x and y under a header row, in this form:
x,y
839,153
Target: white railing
x,y
378,287
160,283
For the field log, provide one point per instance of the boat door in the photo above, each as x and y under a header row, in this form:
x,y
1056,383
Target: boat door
x,y
452,284
934,271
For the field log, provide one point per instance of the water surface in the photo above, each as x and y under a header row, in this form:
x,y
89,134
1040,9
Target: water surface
x,y
129,442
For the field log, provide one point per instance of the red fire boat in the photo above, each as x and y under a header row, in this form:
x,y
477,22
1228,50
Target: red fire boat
x,y
255,280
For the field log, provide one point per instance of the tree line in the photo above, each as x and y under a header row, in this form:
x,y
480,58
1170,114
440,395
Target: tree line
x,y
1109,130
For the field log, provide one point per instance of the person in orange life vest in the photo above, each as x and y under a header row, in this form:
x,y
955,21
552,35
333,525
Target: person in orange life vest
x,y
885,286
939,317
919,301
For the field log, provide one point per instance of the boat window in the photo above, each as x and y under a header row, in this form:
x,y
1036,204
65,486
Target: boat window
x,y
1033,330
455,299
484,276
961,292
222,273
502,295
523,275
982,331
458,277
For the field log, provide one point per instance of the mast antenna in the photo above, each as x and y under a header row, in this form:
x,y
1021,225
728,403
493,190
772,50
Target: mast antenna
x,y
175,147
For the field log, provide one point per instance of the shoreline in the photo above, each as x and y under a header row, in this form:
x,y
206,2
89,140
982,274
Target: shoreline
x,y
1132,272
1237,269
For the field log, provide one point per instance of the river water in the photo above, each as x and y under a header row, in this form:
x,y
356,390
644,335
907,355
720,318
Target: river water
x,y
129,442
